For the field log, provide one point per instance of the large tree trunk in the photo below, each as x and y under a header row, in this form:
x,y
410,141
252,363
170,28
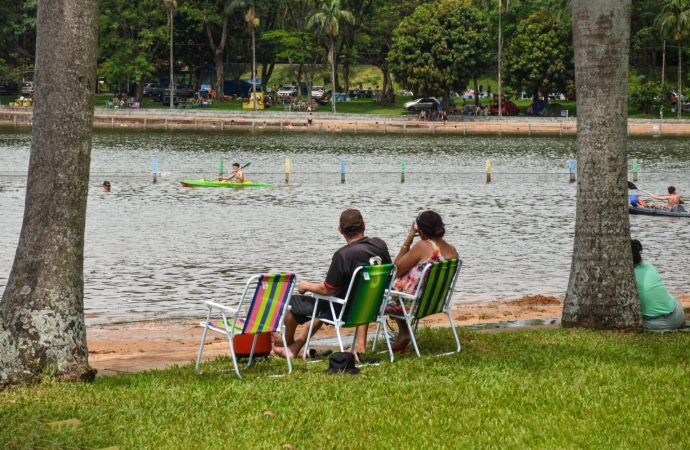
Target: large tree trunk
x,y
602,292
346,75
43,305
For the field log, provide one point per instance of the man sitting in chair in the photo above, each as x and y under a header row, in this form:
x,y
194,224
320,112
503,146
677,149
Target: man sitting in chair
x,y
359,251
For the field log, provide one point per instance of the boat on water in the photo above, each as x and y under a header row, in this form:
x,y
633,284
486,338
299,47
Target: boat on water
x,y
214,183
677,211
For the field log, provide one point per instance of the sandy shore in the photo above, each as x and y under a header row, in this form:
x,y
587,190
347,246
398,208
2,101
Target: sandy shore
x,y
140,346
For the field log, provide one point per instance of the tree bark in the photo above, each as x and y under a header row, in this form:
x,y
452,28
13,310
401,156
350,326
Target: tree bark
x,y
218,51
680,81
333,72
602,292
42,306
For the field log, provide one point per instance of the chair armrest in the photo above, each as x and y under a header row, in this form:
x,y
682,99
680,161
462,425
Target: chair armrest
x,y
402,294
211,305
329,299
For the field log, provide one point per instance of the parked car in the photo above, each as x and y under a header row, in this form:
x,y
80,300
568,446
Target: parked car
x,y
27,87
670,94
287,91
508,108
6,88
317,91
183,91
406,93
421,104
570,96
152,89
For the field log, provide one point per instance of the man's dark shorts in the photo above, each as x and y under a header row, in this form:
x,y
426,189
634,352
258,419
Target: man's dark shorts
x,y
302,307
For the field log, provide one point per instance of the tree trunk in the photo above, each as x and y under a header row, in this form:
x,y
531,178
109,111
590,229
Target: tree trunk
x,y
43,305
220,74
602,292
333,73
388,86
680,82
476,92
218,51
346,75
663,65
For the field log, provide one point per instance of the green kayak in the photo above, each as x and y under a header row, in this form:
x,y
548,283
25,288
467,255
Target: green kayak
x,y
214,183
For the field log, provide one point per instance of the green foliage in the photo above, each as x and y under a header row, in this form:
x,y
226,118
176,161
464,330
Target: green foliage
x,y
131,35
539,57
674,19
440,47
645,94
524,389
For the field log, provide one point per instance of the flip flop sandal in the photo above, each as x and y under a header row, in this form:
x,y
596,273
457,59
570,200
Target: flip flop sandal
x,y
368,360
313,353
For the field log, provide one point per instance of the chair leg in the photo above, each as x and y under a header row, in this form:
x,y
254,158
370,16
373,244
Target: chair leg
x,y
234,358
203,341
412,335
385,333
287,354
251,353
311,327
340,339
354,345
376,338
455,333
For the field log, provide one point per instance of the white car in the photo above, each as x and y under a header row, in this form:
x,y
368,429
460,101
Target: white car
x,y
317,91
286,91
422,104
27,87
406,93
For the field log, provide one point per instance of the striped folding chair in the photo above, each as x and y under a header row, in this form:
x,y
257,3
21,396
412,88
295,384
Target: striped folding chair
x,y
363,304
432,297
265,314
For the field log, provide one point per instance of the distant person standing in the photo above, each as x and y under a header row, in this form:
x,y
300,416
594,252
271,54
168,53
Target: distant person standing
x,y
488,90
106,186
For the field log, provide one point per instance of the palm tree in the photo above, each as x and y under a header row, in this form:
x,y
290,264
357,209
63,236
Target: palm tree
x,y
327,17
674,22
252,23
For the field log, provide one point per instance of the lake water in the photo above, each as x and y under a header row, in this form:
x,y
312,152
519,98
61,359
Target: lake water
x,y
157,251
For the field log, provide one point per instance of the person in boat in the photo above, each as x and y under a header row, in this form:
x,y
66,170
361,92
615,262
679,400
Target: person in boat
x,y
236,173
106,186
359,251
660,310
412,259
672,199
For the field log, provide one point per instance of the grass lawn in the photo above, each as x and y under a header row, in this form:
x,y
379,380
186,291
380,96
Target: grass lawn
x,y
524,389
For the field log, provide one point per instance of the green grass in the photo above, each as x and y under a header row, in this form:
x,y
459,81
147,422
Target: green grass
x,y
525,389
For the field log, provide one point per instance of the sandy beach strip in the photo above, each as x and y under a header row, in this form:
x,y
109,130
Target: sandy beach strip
x,y
133,347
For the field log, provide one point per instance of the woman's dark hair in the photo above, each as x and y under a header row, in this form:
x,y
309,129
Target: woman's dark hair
x,y
431,224
636,251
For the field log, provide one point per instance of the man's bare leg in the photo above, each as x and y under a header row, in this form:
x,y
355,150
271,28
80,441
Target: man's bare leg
x,y
361,342
294,345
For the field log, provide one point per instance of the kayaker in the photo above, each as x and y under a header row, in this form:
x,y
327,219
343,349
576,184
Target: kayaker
x,y
672,198
237,174
106,186
660,310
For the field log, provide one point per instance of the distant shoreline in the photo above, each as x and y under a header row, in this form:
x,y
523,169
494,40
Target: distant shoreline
x,y
199,119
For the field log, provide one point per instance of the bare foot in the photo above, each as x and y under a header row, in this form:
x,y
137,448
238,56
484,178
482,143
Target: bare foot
x,y
292,349
401,343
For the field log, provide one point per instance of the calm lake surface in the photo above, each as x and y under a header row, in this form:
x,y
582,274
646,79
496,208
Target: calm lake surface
x,y
157,251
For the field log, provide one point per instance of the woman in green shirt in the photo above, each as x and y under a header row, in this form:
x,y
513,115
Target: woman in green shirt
x,y
660,310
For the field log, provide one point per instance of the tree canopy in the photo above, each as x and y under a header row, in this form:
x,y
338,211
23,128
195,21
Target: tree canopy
x,y
440,48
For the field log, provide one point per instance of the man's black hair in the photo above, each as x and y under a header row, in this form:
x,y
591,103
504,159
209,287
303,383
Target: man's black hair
x,y
353,231
235,164
106,183
671,189
636,251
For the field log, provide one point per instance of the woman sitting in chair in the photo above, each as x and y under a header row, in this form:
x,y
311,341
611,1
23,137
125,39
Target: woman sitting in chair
x,y
411,261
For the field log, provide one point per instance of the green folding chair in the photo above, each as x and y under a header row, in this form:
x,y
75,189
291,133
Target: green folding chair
x,y
265,313
433,296
363,304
